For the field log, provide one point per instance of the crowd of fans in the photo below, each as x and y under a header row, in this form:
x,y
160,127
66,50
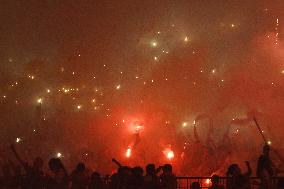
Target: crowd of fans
x,y
126,177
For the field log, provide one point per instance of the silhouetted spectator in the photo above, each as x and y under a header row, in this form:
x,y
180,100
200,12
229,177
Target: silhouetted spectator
x,y
137,178
59,180
34,174
215,180
265,169
237,180
151,180
79,177
168,179
96,181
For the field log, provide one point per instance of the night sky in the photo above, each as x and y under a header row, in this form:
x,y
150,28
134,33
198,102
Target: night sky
x,y
82,78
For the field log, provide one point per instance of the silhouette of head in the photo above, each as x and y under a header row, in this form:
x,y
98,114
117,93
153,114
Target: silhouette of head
x,y
137,171
55,164
95,176
266,150
195,185
80,167
150,169
167,168
38,163
215,179
234,170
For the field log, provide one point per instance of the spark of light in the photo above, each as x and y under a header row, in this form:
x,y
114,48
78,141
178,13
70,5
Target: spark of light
x,y
269,142
233,25
207,181
186,39
18,140
169,153
184,124
79,107
48,90
276,31
128,152
138,128
213,71
31,77
118,87
59,155
156,58
154,44
39,100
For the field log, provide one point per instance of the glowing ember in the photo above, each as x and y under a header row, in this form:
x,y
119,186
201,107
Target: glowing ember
x,y
169,153
39,100
59,155
18,140
128,152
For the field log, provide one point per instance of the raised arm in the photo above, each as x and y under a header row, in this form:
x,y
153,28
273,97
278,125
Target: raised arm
x,y
249,170
24,164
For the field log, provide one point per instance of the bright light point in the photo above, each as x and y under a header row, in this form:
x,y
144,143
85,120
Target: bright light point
x,y
222,80
194,122
269,142
48,90
262,131
152,81
79,54
104,65
158,32
193,52
166,79
18,140
154,44
137,77
233,25
186,39
207,181
128,152
282,71
73,73
138,128
184,124
170,154
34,130
79,107
4,96
213,71
39,100
59,155
118,87
155,58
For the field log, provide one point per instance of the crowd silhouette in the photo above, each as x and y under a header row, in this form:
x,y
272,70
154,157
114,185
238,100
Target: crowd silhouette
x,y
126,177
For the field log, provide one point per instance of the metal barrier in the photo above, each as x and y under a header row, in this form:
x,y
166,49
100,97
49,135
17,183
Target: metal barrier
x,y
205,182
